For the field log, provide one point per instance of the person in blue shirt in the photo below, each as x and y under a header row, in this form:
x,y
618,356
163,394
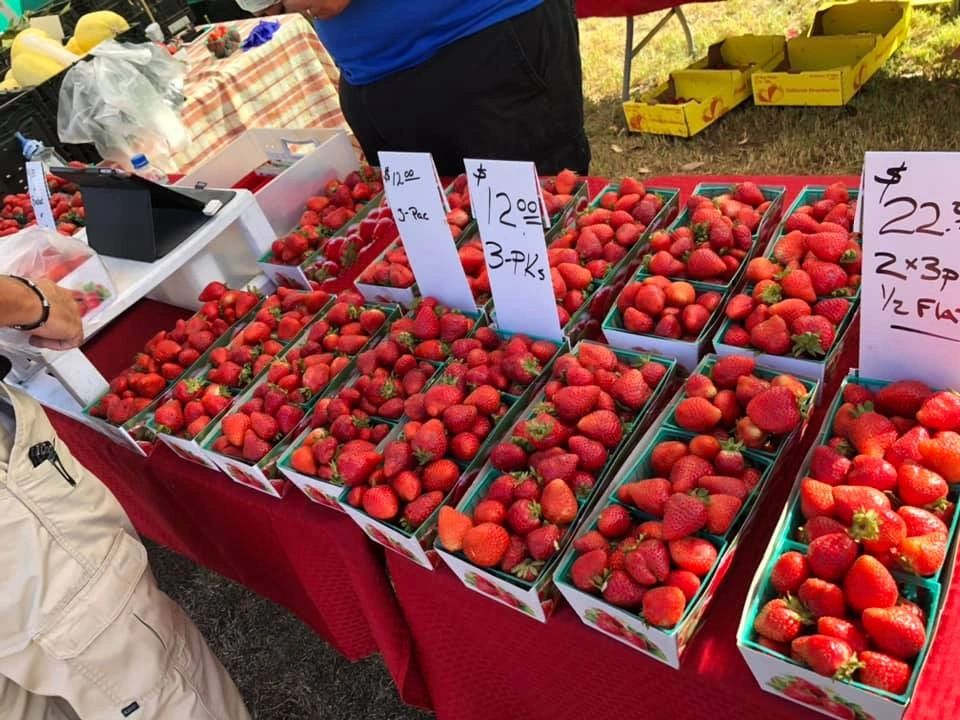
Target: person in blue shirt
x,y
497,79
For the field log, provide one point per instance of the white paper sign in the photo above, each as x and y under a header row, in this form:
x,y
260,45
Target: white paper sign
x,y
508,205
420,211
39,194
910,302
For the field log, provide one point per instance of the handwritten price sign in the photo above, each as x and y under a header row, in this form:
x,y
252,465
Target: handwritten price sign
x,y
39,194
910,314
420,211
509,208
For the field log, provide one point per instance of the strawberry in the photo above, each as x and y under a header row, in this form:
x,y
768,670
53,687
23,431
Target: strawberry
x,y
923,554
818,526
940,411
254,448
869,584
920,487
831,556
780,620
872,433
574,402
631,390
453,325
829,466
697,414
430,441
558,504
418,511
685,474
589,571
523,516
827,246
426,323
621,590
903,397
879,531
664,606
614,522
440,475
543,542
235,427
833,309
169,417
775,411
895,631
825,655
508,457
789,573
650,495
721,512
485,545
771,336
848,500
727,370
884,672
941,454
843,630
693,554
603,426
513,559
452,526
822,598
720,485
873,472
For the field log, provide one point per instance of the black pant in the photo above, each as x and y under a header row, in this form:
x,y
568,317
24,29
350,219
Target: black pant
x,y
510,92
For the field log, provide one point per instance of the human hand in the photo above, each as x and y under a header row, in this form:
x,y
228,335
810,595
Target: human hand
x,y
319,9
63,329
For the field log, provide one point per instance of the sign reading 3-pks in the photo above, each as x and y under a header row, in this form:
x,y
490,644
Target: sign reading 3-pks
x,y
910,300
508,205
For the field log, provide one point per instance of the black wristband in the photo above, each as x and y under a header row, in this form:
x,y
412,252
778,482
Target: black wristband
x,y
44,304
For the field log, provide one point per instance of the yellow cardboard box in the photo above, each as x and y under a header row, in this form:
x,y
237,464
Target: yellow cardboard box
x,y
705,91
845,46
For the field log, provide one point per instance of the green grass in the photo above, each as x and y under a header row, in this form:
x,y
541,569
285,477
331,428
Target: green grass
x,y
910,104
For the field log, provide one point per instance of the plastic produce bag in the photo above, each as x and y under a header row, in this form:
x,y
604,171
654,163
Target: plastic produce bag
x,y
126,100
42,254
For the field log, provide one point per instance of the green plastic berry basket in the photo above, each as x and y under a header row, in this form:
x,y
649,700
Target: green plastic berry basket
x,y
925,593
773,193
775,448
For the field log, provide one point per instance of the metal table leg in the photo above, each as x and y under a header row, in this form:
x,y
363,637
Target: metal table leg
x,y
630,51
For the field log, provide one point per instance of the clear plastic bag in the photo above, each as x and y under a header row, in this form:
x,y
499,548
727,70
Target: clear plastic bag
x,y
126,101
42,254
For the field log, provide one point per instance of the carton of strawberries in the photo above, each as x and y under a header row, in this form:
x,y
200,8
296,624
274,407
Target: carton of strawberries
x,y
440,421
846,601
512,525
803,296
722,227
648,565
589,253
169,355
246,442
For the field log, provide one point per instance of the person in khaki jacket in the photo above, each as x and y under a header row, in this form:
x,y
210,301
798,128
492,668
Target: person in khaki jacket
x,y
84,631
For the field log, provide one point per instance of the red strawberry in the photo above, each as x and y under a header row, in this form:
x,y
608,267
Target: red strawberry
x,y
663,606
822,598
452,526
872,433
884,672
603,426
833,309
895,631
771,336
697,414
727,370
558,503
254,447
703,264
831,556
589,571
543,542
850,499
614,522
825,655
235,427
923,554
869,584
418,511
775,411
789,573
843,630
621,590
941,453
486,544
780,620
650,495
920,487
693,554
818,526
721,512
941,411
829,466
903,398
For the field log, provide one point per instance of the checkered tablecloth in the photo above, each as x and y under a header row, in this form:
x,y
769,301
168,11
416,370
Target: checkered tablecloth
x,y
290,82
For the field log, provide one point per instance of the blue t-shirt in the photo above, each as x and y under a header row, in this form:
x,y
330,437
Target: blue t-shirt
x,y
375,38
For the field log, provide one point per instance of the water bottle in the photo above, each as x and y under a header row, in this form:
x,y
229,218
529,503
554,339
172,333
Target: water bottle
x,y
36,150
143,168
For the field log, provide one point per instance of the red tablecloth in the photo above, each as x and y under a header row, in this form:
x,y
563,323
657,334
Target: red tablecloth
x,y
482,660
626,8
472,657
